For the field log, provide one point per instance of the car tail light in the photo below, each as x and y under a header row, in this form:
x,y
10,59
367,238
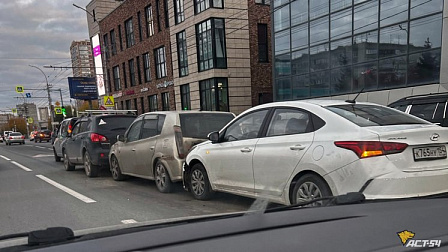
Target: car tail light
x,y
10,138
69,128
97,138
23,137
179,141
364,149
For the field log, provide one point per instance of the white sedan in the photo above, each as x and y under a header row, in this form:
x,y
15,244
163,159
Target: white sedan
x,y
290,152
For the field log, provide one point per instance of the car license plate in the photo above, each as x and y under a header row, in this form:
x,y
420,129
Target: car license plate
x,y
430,152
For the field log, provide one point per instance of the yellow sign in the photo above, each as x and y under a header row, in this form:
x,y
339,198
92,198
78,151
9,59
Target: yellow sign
x,y
30,120
405,236
57,103
19,89
58,110
14,110
109,101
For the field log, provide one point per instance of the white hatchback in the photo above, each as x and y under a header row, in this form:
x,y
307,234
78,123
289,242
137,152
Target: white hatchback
x,y
290,152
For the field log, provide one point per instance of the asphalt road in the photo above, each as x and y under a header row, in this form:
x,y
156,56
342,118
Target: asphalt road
x,y
36,192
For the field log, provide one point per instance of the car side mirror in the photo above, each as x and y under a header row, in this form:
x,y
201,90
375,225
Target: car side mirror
x,y
213,136
120,138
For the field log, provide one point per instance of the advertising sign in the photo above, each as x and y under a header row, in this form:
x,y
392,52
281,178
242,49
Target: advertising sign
x,y
98,65
82,88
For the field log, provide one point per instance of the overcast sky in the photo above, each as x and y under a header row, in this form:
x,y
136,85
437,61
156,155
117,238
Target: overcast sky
x,y
37,32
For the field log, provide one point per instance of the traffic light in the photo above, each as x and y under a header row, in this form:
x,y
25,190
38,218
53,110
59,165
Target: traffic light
x,y
63,112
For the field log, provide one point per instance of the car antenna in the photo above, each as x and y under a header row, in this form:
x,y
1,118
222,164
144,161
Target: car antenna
x,y
354,99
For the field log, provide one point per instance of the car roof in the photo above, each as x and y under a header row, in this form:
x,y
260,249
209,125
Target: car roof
x,y
308,102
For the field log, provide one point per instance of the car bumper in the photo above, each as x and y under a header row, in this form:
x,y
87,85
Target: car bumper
x,y
99,156
16,141
378,178
185,176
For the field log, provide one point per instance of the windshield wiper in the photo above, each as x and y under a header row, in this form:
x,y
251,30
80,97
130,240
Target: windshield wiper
x,y
344,199
48,236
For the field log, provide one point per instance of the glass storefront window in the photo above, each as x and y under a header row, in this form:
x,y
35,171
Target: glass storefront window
x,y
283,65
365,76
341,24
392,72
365,17
424,67
282,42
340,4
319,57
300,86
341,52
424,7
319,8
319,30
281,18
365,47
300,61
393,12
393,40
319,83
299,12
341,80
283,91
299,36
425,33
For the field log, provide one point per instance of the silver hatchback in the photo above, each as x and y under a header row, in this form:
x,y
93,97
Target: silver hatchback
x,y
155,145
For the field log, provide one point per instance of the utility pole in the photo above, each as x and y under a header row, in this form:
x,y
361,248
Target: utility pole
x,y
49,96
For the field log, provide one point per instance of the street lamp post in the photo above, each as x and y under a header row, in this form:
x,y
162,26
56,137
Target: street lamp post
x,y
49,96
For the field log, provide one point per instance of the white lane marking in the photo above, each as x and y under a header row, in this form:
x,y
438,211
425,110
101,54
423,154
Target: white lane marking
x,y
50,148
66,189
43,155
130,221
21,166
40,147
5,158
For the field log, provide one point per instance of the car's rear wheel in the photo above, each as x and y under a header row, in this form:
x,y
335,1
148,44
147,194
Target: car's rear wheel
x,y
67,165
162,177
56,157
199,183
115,169
90,169
310,187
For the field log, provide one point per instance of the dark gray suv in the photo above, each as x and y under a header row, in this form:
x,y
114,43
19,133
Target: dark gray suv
x,y
90,141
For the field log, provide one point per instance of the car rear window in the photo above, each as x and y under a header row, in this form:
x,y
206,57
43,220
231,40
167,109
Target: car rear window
x,y
113,123
372,115
201,124
15,134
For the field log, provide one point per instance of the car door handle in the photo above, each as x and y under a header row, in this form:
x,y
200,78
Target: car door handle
x,y
297,147
247,149
133,150
151,148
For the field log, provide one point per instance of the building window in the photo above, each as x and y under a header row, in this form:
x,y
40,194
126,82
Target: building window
x,y
135,104
142,104
159,27
131,72
149,21
263,43
139,19
129,29
167,17
202,5
160,62
214,94
106,46
113,45
185,97
117,84
128,104
125,78
152,100
182,55
109,81
265,2
165,101
146,67
139,74
122,105
179,15
211,45
120,38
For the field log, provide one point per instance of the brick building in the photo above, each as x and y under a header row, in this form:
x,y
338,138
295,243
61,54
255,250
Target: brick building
x,y
201,54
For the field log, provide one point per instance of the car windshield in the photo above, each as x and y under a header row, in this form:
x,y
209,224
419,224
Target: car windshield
x,y
199,125
15,134
372,115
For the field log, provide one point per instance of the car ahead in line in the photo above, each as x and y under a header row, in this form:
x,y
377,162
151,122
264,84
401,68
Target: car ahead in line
x,y
43,135
15,137
431,107
289,152
155,145
90,141
65,128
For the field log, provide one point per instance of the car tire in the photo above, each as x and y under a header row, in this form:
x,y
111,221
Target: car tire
x,y
67,165
199,183
90,169
162,178
115,169
56,157
40,140
309,187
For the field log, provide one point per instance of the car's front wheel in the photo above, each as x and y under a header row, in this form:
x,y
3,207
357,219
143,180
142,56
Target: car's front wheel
x,y
67,165
115,169
199,183
310,187
90,169
163,181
